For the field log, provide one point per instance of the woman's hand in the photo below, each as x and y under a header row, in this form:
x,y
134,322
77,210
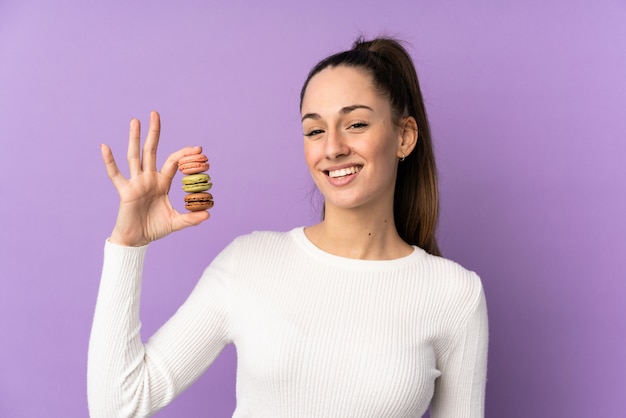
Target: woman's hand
x,y
145,213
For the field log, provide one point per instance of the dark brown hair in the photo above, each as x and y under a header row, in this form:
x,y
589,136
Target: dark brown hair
x,y
416,196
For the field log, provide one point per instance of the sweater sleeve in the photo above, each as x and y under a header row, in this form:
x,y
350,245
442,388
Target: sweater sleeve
x,y
127,378
460,390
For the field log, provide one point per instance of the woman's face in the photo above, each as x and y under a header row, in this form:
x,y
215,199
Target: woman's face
x,y
351,143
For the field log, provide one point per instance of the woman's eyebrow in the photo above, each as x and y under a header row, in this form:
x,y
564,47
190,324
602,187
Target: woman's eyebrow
x,y
310,116
349,109
343,111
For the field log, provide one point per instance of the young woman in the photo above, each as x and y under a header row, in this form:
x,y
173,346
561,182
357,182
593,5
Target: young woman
x,y
356,316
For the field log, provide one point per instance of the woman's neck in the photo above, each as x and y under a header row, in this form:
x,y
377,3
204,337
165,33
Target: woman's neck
x,y
358,235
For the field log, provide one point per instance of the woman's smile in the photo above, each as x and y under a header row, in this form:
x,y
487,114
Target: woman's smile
x,y
342,172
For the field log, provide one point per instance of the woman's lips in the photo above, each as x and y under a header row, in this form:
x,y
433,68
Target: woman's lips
x,y
342,176
342,172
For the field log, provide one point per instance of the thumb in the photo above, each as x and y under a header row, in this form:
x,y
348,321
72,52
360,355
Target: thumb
x,y
185,220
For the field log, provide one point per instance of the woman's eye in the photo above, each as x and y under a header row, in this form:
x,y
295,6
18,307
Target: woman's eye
x,y
358,125
313,132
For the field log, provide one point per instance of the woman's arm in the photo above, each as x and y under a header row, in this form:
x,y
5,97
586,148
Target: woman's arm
x,y
129,379
126,377
460,390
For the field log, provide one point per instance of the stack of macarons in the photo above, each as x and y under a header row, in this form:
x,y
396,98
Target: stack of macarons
x,y
196,182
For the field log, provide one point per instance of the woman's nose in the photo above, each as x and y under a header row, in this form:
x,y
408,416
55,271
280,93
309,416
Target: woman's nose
x,y
336,145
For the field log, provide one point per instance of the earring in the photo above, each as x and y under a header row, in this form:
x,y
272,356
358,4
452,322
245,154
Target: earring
x,y
403,157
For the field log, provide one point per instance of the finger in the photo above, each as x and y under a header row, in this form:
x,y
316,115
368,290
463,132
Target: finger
x,y
152,142
112,170
184,220
134,165
171,164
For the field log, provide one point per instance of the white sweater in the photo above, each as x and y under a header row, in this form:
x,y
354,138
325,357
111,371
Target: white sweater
x,y
316,335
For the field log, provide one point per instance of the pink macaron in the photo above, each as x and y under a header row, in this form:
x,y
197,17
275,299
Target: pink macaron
x,y
193,164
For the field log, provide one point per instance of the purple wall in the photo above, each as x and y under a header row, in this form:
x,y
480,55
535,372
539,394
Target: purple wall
x,y
528,107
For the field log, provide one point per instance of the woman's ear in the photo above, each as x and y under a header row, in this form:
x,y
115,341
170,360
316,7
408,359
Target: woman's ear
x,y
408,136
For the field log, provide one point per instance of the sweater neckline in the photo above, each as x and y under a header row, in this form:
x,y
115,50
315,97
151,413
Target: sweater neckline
x,y
298,235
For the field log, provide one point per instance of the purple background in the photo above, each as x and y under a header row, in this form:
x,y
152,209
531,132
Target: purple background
x,y
527,102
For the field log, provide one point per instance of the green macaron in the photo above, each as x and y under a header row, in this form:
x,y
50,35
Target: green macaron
x,y
197,183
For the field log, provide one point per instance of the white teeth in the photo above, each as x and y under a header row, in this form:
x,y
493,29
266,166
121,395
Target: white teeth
x,y
343,172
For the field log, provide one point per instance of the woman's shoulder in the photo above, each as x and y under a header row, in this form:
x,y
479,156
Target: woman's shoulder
x,y
262,242
449,275
267,237
253,248
448,265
